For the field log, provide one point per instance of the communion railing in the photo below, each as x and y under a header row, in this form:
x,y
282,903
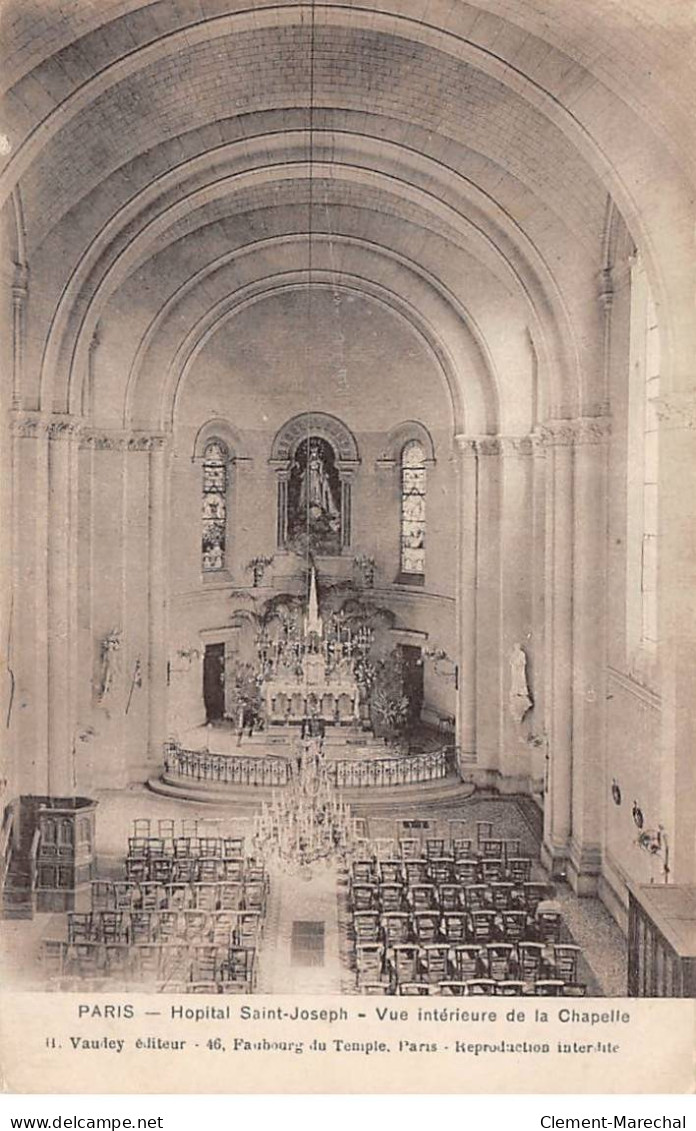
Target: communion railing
x,y
375,772
353,773
224,769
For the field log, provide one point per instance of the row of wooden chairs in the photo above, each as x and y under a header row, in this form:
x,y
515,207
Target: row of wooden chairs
x,y
164,964
241,927
134,895
502,896
169,827
482,986
157,847
484,844
455,926
436,962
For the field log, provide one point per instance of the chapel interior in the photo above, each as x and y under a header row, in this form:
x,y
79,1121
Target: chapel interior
x,y
348,496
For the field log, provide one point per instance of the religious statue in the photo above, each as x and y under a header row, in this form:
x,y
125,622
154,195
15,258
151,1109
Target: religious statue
x,y
314,511
316,495
110,647
520,698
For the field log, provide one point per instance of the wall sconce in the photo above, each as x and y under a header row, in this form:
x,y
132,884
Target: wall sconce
x,y
615,792
440,657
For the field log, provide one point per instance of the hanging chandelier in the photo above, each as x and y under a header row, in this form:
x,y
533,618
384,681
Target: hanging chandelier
x,y
308,822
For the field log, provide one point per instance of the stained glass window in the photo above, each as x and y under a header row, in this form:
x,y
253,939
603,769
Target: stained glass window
x,y
214,508
413,508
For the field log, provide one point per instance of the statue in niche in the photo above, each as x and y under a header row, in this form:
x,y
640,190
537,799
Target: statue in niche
x,y
314,516
110,648
520,697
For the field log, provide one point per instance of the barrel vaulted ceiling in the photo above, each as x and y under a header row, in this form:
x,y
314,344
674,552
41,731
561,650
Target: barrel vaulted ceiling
x,y
466,161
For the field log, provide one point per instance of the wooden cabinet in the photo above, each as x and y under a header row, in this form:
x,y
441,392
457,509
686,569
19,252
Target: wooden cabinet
x,y
662,941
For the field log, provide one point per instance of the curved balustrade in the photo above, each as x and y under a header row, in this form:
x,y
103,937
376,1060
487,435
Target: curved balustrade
x,y
375,772
224,769
234,769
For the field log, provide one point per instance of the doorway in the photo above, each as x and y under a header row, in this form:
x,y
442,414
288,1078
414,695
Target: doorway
x,y
214,682
412,666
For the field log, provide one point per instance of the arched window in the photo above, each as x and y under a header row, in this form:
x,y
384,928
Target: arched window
x,y
214,507
413,509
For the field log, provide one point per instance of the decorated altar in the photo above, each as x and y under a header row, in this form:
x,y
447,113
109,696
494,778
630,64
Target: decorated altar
x,y
308,669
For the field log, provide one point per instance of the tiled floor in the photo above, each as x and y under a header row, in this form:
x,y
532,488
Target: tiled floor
x,y
318,896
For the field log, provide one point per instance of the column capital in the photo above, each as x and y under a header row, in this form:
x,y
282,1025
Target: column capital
x,y
677,410
117,441
465,445
581,430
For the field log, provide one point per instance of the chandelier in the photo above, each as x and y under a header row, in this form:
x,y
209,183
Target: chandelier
x,y
308,822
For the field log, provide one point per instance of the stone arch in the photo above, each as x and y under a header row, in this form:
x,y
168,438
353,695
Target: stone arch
x,y
402,433
322,424
217,429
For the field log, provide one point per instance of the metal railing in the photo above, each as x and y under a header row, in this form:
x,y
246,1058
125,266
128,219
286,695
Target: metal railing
x,y
350,773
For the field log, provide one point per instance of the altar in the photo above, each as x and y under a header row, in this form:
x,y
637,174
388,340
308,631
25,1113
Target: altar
x,y
309,670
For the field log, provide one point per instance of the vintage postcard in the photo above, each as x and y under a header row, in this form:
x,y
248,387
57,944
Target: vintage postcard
x,y
348,545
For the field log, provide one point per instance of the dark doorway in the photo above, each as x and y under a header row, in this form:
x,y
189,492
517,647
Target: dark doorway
x,y
214,681
412,661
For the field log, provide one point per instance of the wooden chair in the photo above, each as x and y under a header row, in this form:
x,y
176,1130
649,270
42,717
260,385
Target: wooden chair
x,y
410,848
205,896
477,897
548,926
415,872
453,989
203,987
396,927
124,895
117,960
481,926
112,926
362,872
510,988
466,962
179,896
511,849
384,848
434,964
498,960
255,896
185,870
373,989
81,927
231,869
462,848
137,869
146,962
565,961
426,927
155,847
413,989
480,986
233,846
404,963
84,959
514,924
441,870
422,897
500,895
205,964
369,960
168,926
210,869
102,896
449,897
166,829
182,847
434,847
391,897
140,927
453,924
484,831
574,989
249,929
230,895
196,924
141,827
175,962
366,926
534,892
466,871
548,987
224,928
239,968
491,849
492,871
364,897
161,870
519,869
530,958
